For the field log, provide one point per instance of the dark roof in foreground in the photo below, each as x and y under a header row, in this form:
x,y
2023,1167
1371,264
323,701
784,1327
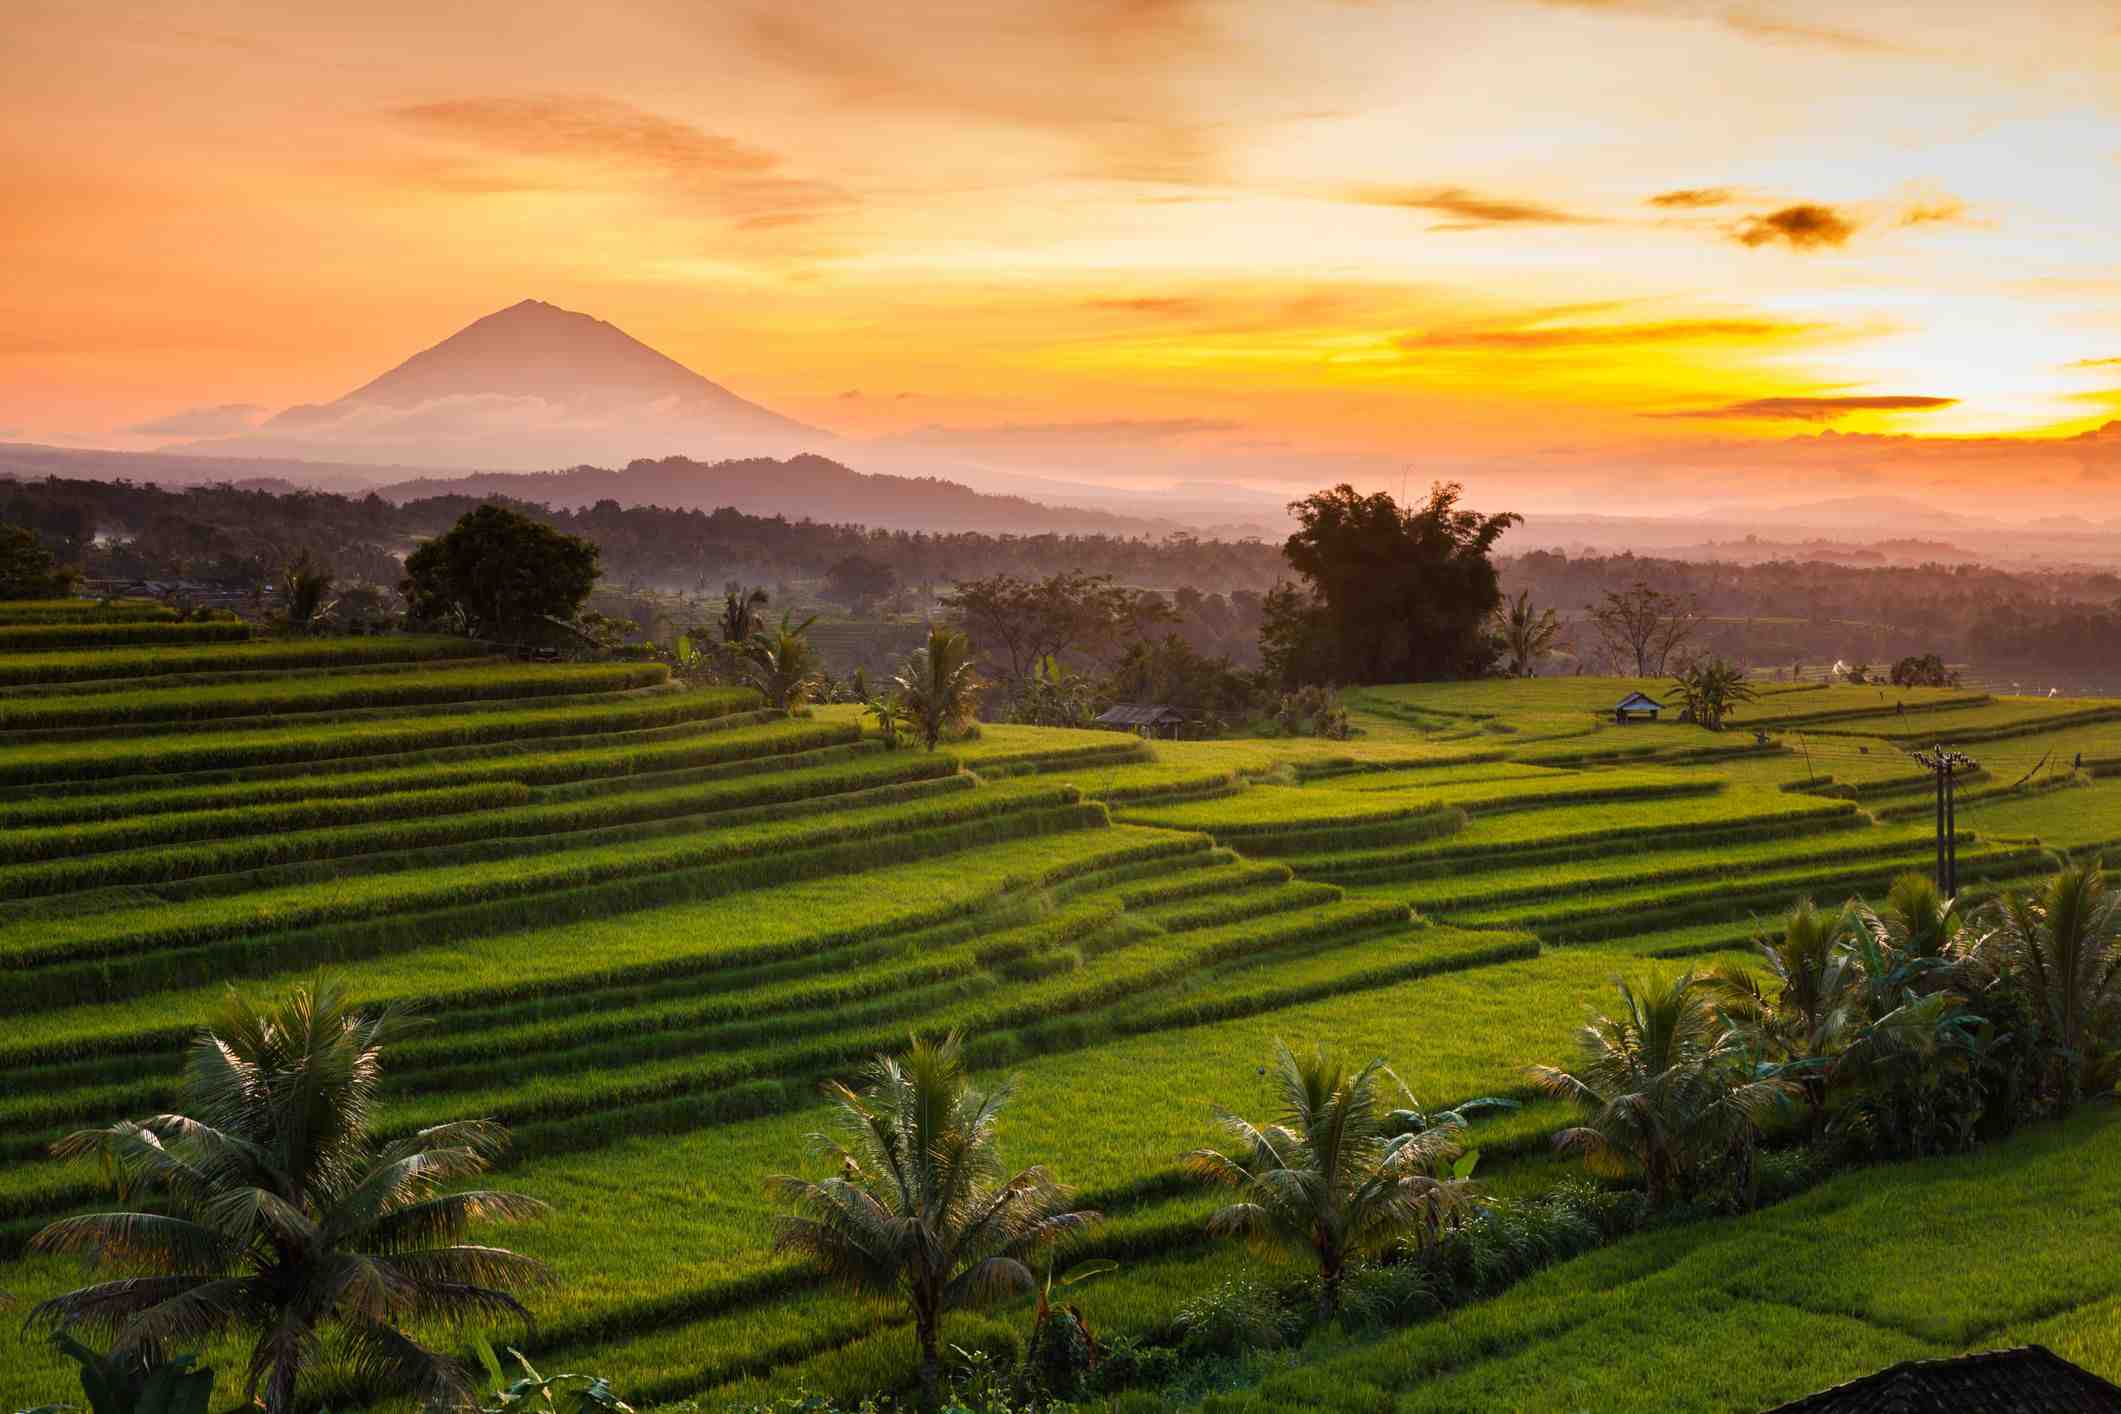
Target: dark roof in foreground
x,y
1638,699
2030,1379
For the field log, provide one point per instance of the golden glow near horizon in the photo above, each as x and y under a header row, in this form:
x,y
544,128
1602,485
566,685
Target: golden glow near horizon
x,y
1541,246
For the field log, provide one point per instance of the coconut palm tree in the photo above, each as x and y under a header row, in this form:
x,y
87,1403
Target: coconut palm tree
x,y
1326,1177
2061,949
270,1209
1802,1010
1665,1086
782,665
919,1204
305,583
936,691
1919,924
1527,634
740,617
1711,688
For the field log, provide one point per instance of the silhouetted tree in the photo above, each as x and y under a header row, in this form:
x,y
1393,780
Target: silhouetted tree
x,y
496,572
1394,594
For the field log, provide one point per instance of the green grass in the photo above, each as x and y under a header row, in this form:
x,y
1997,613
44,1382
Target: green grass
x,y
38,637
648,924
83,665
63,611
204,751
1911,1261
768,746
327,693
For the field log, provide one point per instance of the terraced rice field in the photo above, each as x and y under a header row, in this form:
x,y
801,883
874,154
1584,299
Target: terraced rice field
x,y
646,921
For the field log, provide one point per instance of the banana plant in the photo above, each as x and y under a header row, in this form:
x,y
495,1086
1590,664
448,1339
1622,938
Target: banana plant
x,y
130,1384
533,1393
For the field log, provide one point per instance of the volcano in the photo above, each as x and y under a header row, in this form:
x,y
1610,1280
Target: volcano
x,y
531,386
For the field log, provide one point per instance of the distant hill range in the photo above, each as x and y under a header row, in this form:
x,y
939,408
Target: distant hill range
x,y
765,486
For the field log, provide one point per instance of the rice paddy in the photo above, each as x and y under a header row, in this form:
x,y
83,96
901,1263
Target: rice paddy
x,y
646,921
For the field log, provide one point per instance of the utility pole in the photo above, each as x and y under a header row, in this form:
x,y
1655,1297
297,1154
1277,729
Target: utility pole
x,y
1947,765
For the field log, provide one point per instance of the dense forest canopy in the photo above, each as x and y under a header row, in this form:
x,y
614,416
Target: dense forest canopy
x,y
1766,614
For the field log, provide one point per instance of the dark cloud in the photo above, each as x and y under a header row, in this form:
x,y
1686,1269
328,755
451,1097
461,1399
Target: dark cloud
x,y
1805,226
852,395
1470,210
225,420
1690,198
1813,409
1535,336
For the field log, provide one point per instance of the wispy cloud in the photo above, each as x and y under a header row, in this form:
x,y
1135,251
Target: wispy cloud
x,y
224,420
1811,409
1105,67
1931,211
1535,336
2097,363
1805,226
1471,210
584,139
1759,25
1160,306
1691,198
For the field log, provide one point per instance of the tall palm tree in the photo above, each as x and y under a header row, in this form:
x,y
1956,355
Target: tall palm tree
x,y
740,617
305,583
271,1210
936,690
2061,950
919,1205
783,666
1801,1011
1324,1178
1527,634
1664,1086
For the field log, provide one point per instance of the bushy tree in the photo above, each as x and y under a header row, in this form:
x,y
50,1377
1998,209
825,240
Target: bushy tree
x,y
1928,670
1019,623
859,582
1328,1177
917,1203
27,570
276,1212
1399,594
499,574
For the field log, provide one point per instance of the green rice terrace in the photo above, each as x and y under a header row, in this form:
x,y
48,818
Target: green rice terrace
x,y
645,922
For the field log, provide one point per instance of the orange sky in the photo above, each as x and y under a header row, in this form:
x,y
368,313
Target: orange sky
x,y
1529,244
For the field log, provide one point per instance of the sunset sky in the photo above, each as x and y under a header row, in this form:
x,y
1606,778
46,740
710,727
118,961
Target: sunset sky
x,y
1597,253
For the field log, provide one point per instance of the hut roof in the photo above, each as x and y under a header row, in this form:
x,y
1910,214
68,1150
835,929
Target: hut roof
x,y
1636,700
1131,715
2029,1379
